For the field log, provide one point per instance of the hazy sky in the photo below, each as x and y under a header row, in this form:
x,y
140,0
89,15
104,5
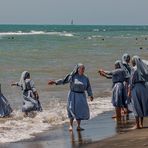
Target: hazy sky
x,y
81,11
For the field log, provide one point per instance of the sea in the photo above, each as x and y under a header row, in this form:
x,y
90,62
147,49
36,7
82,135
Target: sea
x,y
49,52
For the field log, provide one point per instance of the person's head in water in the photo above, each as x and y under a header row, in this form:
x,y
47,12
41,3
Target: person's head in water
x,y
81,69
117,64
126,58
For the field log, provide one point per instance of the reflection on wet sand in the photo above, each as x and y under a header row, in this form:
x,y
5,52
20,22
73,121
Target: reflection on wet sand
x,y
78,140
124,126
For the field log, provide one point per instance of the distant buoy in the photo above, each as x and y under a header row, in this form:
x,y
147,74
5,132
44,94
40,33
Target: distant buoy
x,y
140,48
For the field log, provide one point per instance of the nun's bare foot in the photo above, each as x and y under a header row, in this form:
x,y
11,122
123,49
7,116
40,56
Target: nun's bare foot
x,y
135,127
114,116
80,129
70,128
32,114
141,125
25,114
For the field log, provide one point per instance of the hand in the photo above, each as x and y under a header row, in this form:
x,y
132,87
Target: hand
x,y
13,84
129,94
91,98
100,71
51,82
37,96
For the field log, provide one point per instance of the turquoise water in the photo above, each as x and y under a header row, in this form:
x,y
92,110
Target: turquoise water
x,y
50,52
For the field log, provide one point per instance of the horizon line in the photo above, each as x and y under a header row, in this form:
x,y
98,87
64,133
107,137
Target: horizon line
x,y
74,24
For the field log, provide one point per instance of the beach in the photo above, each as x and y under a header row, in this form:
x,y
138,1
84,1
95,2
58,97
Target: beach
x,y
129,138
51,52
101,131
96,129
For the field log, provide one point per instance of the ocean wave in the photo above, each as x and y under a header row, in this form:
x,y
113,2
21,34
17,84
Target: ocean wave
x,y
18,128
32,32
96,30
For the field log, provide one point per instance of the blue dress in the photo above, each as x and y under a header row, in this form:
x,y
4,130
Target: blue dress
x,y
5,109
30,103
77,106
118,89
139,95
127,82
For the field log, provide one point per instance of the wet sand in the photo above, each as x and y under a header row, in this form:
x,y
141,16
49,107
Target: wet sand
x,y
128,139
95,129
101,131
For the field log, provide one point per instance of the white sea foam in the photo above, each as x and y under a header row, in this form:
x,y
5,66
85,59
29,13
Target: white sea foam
x,y
18,128
32,32
96,30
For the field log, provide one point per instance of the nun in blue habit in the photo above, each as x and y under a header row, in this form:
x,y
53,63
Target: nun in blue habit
x,y
77,106
5,108
138,90
31,98
125,61
125,65
118,77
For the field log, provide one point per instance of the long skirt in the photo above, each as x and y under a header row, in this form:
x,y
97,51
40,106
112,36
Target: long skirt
x,y
5,109
139,99
77,106
119,95
30,103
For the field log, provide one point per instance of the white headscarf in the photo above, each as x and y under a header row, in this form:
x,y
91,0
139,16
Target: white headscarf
x,y
145,61
24,75
125,57
141,67
118,62
74,72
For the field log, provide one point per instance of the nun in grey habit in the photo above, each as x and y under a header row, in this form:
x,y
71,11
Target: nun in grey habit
x,y
125,61
139,90
118,77
5,109
31,99
77,106
127,68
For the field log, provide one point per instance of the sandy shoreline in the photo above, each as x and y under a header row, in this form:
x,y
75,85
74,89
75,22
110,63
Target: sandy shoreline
x,y
130,138
99,132
96,129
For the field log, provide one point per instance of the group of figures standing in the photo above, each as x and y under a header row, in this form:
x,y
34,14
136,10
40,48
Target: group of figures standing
x,y
129,87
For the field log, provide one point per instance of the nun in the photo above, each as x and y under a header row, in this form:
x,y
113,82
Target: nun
x,y
118,90
5,109
31,98
77,106
138,90
125,65
125,61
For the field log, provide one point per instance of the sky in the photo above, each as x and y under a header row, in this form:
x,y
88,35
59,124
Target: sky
x,y
95,12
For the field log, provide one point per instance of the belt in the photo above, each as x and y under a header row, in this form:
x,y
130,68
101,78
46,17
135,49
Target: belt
x,y
140,82
80,92
118,82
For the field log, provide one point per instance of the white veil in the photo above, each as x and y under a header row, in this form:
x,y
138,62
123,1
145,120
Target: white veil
x,y
142,68
24,75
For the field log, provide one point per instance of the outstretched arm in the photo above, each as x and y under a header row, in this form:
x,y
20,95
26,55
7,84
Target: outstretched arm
x,y
60,81
106,74
16,84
